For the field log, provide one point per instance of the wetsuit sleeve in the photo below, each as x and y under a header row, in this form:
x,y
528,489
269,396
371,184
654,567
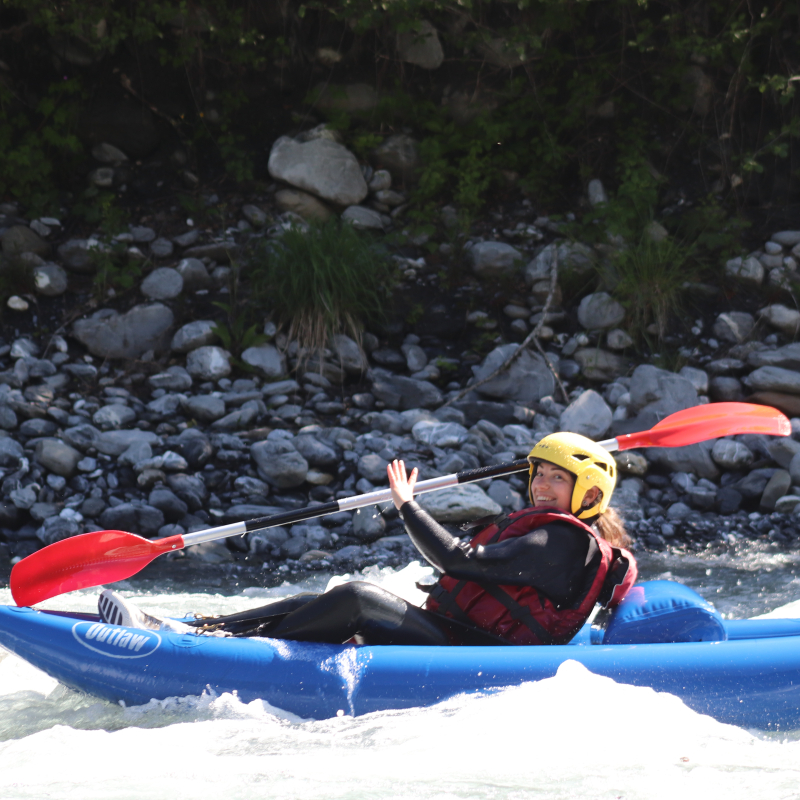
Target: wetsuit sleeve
x,y
554,558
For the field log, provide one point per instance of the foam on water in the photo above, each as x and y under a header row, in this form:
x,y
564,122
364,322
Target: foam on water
x,y
575,735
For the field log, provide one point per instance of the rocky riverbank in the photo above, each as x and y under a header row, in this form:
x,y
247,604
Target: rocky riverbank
x,y
129,414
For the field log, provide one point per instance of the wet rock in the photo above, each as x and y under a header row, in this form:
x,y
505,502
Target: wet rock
x,y
368,524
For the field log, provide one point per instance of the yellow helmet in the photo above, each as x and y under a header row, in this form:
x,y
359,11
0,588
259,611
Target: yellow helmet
x,y
591,465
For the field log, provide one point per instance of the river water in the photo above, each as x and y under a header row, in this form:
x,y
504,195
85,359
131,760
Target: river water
x,y
576,735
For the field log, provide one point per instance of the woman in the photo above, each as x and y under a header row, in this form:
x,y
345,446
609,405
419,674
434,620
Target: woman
x,y
532,577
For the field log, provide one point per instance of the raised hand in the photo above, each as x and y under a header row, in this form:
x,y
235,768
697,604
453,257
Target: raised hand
x,y
402,487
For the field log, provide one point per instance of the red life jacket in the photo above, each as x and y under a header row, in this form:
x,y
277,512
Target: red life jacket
x,y
523,614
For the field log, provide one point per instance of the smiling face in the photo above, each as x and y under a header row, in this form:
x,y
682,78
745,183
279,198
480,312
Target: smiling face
x,y
552,486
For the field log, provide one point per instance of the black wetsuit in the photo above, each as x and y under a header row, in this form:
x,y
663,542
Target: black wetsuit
x,y
555,559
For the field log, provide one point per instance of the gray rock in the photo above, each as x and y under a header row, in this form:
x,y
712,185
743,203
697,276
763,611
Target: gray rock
x,y
254,215
163,283
697,377
596,193
459,504
142,234
266,360
372,467
175,379
571,256
787,356
187,239
161,248
678,511
237,420
267,540
144,520
205,408
21,239
115,443
439,434
366,218
783,449
599,365
136,454
111,335
774,379
658,391
57,528
113,417
210,553
368,524
170,505
315,452
78,254
748,270
399,154
302,204
693,458
199,333
725,389
320,166
57,457
400,392
599,310
734,326
195,276
421,46
208,363
527,380
50,280
786,238
490,260
588,415
731,455
349,354
786,320
165,406
777,486
279,463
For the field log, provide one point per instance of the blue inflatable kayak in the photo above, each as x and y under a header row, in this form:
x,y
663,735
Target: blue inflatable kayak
x,y
664,636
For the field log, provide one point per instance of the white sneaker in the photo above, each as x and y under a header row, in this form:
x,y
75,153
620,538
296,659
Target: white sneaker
x,y
115,610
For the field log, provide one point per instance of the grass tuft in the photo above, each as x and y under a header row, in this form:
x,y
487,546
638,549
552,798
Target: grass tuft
x,y
322,281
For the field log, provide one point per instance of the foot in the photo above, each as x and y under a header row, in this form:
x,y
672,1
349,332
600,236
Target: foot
x,y
115,610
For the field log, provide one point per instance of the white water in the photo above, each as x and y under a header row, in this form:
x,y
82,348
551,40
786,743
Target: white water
x,y
576,735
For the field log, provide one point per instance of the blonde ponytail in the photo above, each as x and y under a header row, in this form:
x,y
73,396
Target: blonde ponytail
x,y
610,526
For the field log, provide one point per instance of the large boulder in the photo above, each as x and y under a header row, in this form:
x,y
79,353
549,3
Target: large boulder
x,y
527,381
460,504
279,463
109,334
320,166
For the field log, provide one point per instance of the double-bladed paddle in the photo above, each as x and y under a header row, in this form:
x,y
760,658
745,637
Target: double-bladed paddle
x,y
101,557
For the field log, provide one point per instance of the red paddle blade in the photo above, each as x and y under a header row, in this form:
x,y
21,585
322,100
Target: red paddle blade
x,y
711,421
90,559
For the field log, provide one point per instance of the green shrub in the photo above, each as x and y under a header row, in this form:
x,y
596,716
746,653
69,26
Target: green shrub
x,y
329,279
